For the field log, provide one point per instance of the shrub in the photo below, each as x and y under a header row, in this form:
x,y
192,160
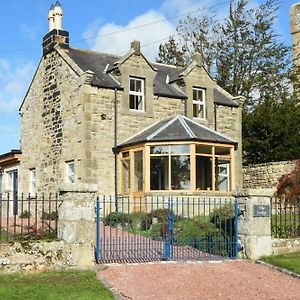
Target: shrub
x,y
140,220
224,216
115,218
289,185
52,216
25,215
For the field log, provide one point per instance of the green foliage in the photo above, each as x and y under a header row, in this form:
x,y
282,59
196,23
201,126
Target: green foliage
x,y
140,220
77,285
290,261
288,186
115,218
171,53
25,215
271,132
247,58
53,215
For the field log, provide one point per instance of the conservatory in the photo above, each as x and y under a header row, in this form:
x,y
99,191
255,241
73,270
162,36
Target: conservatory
x,y
177,156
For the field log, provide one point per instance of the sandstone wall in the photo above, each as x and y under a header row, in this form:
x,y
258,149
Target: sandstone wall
x,y
35,256
266,175
50,122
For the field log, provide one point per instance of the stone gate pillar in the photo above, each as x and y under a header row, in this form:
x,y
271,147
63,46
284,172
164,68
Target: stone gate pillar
x,y
76,221
254,225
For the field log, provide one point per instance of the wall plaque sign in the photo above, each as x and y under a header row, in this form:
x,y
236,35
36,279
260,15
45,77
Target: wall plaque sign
x,y
261,210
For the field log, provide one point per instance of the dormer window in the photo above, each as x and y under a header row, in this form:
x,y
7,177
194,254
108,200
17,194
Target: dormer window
x,y
199,103
136,94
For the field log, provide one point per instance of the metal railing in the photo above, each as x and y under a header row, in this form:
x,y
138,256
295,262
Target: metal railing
x,y
285,218
28,217
165,228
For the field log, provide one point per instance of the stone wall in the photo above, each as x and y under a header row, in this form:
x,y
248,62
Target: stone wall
x,y
254,231
50,123
281,246
35,256
266,175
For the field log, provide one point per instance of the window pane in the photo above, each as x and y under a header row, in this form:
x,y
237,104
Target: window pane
x,y
222,173
125,154
126,176
139,104
203,149
132,102
70,172
203,173
159,173
138,85
138,171
159,150
1,182
132,85
222,151
180,172
178,149
195,110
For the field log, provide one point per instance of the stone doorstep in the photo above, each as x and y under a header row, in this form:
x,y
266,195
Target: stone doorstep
x,y
283,270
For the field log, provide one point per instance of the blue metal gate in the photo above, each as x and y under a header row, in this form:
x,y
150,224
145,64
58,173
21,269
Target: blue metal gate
x,y
165,228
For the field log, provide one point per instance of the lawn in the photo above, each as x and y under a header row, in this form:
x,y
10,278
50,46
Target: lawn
x,y
290,261
77,285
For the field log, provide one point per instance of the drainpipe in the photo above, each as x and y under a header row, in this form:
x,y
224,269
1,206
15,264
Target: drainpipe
x,y
215,116
115,148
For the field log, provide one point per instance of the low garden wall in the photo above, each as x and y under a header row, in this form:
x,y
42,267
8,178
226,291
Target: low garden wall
x,y
35,256
266,175
281,246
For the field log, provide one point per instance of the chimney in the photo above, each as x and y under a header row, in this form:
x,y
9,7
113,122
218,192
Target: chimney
x,y
295,31
56,35
198,59
136,47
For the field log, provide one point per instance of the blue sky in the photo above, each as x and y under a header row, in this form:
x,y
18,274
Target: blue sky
x,y
24,23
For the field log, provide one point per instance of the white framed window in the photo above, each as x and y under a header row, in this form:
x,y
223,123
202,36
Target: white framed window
x,y
70,171
12,181
136,94
223,176
1,182
32,181
199,103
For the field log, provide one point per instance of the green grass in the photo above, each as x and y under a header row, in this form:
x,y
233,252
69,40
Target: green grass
x,y
75,285
290,261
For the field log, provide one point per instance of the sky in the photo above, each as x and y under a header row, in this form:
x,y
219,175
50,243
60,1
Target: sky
x,y
92,24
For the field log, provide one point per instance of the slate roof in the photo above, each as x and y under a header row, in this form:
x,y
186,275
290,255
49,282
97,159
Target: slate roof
x,y
177,128
98,62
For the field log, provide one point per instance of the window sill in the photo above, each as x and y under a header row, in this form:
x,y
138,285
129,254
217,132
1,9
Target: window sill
x,y
138,113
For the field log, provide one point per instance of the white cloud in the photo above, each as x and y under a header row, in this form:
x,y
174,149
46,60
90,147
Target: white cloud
x,y
119,42
111,40
14,81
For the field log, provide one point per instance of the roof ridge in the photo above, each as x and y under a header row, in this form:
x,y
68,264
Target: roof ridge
x,y
95,52
173,119
186,127
167,65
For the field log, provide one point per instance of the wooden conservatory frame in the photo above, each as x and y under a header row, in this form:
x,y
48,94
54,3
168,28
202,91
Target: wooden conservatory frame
x,y
127,154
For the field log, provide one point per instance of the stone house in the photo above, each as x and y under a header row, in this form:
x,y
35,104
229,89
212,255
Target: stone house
x,y
131,126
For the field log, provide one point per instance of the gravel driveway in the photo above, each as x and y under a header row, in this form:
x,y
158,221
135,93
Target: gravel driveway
x,y
201,280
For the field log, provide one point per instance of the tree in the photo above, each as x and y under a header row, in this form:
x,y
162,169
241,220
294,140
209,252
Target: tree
x,y
271,132
171,53
247,58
